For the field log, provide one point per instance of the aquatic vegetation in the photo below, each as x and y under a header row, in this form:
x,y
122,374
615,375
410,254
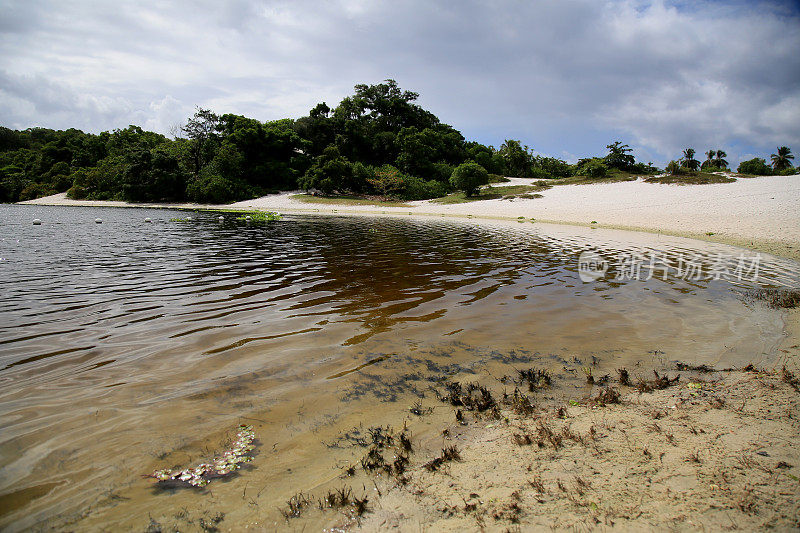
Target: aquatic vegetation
x,y
519,403
295,506
659,383
473,397
230,460
536,378
449,453
259,216
606,396
774,298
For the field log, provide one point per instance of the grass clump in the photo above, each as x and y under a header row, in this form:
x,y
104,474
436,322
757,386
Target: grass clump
x,y
690,177
450,453
473,397
536,378
349,200
606,396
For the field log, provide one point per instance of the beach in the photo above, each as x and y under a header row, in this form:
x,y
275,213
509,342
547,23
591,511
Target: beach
x,y
761,213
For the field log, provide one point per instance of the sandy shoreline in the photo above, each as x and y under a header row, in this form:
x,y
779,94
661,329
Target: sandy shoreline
x,y
761,213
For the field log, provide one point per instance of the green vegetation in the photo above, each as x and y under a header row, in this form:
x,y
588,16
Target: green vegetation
x,y
506,192
688,161
469,177
690,178
782,160
258,216
377,143
348,200
756,167
715,161
584,179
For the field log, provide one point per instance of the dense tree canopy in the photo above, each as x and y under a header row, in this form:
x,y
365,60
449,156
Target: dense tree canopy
x,y
378,141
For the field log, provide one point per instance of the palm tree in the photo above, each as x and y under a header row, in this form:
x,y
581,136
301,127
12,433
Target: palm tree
x,y
781,160
688,160
719,161
709,162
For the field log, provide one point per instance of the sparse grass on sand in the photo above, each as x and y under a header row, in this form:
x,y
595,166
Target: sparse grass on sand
x,y
694,178
714,449
612,177
349,200
505,192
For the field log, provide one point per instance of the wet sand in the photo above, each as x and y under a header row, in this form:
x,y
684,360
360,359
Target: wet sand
x,y
712,451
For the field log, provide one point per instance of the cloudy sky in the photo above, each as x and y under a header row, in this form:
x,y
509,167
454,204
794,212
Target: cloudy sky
x,y
565,76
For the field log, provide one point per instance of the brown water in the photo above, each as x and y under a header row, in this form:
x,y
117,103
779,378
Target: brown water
x,y
127,346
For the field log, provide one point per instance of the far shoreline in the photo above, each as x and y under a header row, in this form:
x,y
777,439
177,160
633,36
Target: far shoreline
x,y
746,214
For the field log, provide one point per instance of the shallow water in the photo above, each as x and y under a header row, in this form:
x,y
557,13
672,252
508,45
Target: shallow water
x,y
128,346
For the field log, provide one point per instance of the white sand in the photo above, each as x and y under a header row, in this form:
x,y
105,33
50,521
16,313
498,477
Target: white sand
x,y
748,212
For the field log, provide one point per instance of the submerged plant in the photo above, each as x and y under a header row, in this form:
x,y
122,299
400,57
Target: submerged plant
x,y
229,461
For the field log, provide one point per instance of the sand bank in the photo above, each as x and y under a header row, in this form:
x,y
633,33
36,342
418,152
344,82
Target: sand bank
x,y
759,213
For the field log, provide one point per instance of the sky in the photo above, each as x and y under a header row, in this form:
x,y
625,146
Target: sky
x,y
566,77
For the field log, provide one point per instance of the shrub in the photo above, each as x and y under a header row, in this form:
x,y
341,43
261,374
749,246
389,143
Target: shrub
x,y
756,166
469,177
549,167
642,168
674,168
418,189
594,168
36,190
388,181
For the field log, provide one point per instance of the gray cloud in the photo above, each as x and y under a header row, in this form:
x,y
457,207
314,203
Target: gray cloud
x,y
566,77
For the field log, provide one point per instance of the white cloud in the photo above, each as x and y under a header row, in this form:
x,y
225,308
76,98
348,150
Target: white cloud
x,y
565,77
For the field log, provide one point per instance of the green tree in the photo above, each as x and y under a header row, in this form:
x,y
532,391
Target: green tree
x,y
618,156
688,160
517,158
469,177
719,160
782,160
550,167
201,129
709,162
329,173
153,176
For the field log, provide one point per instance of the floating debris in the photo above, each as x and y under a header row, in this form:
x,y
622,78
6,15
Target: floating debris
x,y
37,222
229,461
